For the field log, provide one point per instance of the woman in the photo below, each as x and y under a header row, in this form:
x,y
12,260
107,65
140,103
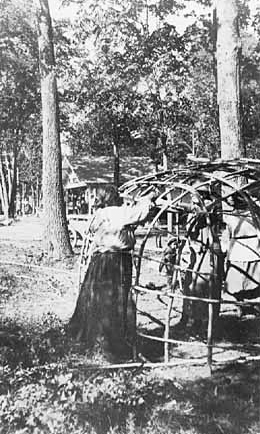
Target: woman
x,y
104,315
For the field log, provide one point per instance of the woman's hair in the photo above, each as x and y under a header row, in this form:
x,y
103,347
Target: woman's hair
x,y
107,196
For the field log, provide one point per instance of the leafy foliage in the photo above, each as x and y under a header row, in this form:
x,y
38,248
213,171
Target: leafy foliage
x,y
53,388
127,77
19,86
145,85
251,92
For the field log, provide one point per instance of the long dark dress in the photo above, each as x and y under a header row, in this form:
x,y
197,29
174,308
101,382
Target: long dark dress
x,y
105,313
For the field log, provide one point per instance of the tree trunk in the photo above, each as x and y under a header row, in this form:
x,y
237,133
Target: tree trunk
x,y
228,71
228,87
56,236
13,186
116,165
8,167
4,190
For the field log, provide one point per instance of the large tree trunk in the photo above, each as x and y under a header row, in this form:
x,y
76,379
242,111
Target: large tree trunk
x,y
116,164
228,72
116,156
4,190
13,192
56,235
8,183
228,84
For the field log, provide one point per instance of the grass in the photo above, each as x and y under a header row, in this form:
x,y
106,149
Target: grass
x,y
46,387
48,384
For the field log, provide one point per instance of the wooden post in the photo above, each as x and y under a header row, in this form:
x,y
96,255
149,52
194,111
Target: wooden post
x,y
210,332
169,221
167,330
212,283
135,337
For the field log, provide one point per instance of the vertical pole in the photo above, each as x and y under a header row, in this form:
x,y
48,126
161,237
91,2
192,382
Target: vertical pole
x,y
135,342
17,198
212,282
169,222
90,205
177,225
167,330
21,197
33,199
209,334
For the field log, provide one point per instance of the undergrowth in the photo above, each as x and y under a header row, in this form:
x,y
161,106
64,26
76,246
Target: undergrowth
x,y
49,385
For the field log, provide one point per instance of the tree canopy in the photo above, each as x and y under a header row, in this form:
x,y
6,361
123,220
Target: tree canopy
x,y
127,73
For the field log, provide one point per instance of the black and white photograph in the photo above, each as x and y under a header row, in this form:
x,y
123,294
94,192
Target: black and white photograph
x,y
129,217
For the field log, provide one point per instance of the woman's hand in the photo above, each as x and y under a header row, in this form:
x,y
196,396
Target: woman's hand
x,y
153,195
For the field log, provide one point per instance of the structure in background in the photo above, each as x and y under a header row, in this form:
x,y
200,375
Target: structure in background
x,y
82,176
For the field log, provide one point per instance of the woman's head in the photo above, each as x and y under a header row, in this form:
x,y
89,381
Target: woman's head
x,y
107,196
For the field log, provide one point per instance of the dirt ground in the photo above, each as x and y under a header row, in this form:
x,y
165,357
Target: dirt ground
x,y
32,286
39,285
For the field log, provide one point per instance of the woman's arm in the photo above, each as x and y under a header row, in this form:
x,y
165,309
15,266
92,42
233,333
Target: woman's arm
x,y
138,213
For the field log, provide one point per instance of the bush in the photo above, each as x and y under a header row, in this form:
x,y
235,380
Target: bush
x,y
47,385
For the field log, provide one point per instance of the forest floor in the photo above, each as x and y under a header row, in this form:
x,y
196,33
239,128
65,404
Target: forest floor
x,y
50,384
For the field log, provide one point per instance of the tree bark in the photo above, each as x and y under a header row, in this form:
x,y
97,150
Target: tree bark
x,y
228,79
56,236
4,190
116,164
13,186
